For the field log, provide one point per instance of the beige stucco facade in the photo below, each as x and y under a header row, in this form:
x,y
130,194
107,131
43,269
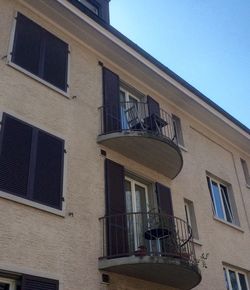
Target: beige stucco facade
x,y
65,245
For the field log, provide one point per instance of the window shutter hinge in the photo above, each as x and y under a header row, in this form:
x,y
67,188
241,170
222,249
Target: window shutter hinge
x,y
63,199
65,151
100,63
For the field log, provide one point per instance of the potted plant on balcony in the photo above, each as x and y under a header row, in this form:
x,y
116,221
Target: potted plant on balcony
x,y
141,251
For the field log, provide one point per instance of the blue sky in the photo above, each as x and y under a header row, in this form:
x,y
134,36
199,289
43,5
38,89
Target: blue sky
x,y
206,42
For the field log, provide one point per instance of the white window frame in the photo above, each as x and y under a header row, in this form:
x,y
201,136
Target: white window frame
x,y
10,282
245,171
190,217
187,212
133,183
28,73
237,272
178,130
219,184
128,94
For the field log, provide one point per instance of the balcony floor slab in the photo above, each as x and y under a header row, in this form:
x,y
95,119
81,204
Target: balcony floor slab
x,y
173,272
156,152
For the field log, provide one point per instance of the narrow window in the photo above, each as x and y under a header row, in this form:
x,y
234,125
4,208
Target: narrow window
x,y
190,217
39,52
90,6
178,130
31,162
235,280
245,170
222,204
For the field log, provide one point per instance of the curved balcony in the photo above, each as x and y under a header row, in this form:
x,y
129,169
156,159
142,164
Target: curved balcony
x,y
150,246
146,137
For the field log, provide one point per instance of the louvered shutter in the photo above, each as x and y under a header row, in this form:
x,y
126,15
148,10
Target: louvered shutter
x,y
111,102
169,246
48,180
153,106
55,61
38,283
15,151
27,44
164,199
117,236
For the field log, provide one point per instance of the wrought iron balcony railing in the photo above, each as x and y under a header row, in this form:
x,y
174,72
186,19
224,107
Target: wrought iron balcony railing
x,y
146,234
136,116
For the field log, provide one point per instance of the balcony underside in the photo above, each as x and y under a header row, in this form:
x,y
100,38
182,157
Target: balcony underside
x,y
156,152
173,272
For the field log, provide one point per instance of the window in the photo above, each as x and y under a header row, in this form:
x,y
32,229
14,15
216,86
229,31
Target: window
x,y
222,203
31,162
133,110
235,280
7,284
178,130
39,52
90,6
190,217
28,282
245,170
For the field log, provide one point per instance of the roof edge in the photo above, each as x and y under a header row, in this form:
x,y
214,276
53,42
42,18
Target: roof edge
x,y
166,70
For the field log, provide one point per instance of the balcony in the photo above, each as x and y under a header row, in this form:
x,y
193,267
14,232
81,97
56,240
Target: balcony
x,y
150,246
146,137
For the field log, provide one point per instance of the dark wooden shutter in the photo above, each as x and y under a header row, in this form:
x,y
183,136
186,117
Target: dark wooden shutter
x,y
27,44
153,106
111,102
55,61
164,199
170,245
117,239
16,139
38,283
48,180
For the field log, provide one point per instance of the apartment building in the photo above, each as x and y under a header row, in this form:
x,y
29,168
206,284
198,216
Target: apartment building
x,y
114,172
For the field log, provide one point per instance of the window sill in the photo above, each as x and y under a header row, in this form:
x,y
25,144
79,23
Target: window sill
x,y
229,224
182,148
33,204
197,242
38,79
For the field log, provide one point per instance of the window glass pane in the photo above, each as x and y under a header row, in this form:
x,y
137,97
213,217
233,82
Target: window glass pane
x,y
140,199
27,44
226,280
128,195
130,218
245,170
243,282
226,203
187,214
4,286
217,200
55,61
178,129
233,280
140,219
124,122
